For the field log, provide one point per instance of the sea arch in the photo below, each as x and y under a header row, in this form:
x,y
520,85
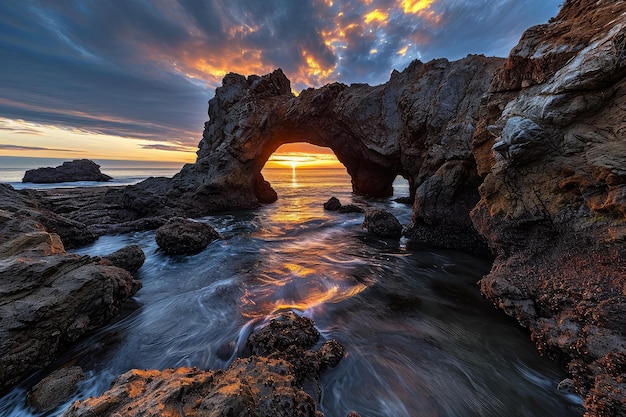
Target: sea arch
x,y
251,117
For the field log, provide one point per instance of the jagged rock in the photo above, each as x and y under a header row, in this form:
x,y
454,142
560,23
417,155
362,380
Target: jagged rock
x,y
382,223
420,120
48,298
263,190
70,171
333,204
54,389
130,258
265,385
552,148
181,236
351,208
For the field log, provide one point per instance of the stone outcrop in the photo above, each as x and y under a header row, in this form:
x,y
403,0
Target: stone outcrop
x,y
54,389
181,236
333,204
552,149
48,297
380,222
269,383
419,125
69,171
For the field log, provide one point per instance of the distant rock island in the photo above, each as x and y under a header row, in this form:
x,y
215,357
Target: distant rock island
x,y
70,171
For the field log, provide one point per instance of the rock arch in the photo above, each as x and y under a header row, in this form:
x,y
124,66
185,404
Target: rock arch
x,y
419,125
418,122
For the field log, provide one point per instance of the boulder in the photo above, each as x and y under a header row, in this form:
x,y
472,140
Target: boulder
x,y
333,204
54,389
380,222
69,171
351,208
181,236
265,384
130,258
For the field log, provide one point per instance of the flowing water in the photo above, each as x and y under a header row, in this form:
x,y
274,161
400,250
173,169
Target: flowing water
x,y
419,338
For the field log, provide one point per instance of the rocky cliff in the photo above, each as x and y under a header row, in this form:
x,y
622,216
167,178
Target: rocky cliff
x,y
48,297
552,149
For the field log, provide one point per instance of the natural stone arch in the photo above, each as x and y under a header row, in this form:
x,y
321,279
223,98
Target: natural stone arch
x,y
419,125
373,179
252,117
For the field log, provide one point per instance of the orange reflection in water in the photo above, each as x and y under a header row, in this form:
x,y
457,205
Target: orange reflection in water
x,y
301,275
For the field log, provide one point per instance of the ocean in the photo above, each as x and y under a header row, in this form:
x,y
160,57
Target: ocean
x,y
12,171
420,340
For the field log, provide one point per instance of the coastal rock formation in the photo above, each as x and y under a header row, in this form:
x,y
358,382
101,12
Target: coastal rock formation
x,y
380,222
130,258
181,236
48,297
552,148
419,125
54,389
265,384
333,204
70,171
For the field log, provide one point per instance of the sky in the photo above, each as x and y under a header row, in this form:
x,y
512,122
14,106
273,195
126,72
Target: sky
x,y
131,79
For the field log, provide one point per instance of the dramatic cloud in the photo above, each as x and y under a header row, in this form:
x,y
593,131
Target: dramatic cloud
x,y
147,69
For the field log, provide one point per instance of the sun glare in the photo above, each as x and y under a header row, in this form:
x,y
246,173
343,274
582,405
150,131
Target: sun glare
x,y
303,155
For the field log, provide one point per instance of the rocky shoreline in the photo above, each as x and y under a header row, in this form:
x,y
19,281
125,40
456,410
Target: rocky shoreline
x,y
522,159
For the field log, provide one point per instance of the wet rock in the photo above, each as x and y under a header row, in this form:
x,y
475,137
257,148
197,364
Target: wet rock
x,y
265,384
552,150
130,258
351,208
54,389
263,191
382,223
48,297
181,236
70,171
283,332
333,204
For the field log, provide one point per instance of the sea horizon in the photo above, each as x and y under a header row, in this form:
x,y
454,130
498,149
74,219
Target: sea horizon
x,y
123,172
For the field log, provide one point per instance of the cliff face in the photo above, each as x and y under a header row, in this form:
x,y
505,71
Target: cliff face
x,y
418,125
552,148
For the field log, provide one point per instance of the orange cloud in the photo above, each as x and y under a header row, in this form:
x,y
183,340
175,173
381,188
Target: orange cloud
x,y
376,16
416,6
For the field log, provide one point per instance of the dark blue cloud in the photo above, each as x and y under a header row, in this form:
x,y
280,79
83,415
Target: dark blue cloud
x,y
146,69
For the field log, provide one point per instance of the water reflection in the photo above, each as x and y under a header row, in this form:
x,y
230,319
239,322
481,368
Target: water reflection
x,y
419,338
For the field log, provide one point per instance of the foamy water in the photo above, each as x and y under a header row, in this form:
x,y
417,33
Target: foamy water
x,y
420,340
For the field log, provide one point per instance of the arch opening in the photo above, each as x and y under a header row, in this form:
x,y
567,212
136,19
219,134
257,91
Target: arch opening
x,y
367,178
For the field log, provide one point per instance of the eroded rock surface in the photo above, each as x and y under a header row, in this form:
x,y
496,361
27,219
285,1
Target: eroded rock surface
x,y
552,147
70,171
382,223
181,236
269,383
419,125
48,297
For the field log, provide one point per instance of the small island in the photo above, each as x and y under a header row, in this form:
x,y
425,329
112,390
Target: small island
x,y
70,171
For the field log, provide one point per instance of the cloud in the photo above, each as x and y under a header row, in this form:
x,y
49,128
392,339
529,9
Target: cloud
x,y
168,147
32,148
147,69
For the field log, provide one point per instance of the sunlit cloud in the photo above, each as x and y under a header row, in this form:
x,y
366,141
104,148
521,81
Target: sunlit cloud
x,y
376,16
416,6
32,148
143,72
